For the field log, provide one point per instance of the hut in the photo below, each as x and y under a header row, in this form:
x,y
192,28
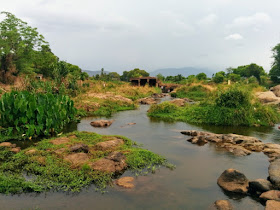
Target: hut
x,y
142,81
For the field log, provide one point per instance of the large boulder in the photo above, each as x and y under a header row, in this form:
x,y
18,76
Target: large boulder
x,y
271,195
260,185
272,205
223,205
235,149
276,90
101,123
113,163
274,172
77,159
268,97
233,181
109,145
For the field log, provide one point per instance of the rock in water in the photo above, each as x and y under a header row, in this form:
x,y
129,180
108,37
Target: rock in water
x,y
260,185
233,181
271,195
272,205
79,148
223,205
125,182
274,172
101,123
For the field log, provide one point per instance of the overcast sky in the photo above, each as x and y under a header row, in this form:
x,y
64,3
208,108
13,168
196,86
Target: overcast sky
x,y
150,34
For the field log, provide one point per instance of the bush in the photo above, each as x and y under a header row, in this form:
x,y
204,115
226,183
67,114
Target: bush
x,y
233,98
35,114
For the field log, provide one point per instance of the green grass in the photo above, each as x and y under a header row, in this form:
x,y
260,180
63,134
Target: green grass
x,y
230,107
196,93
44,170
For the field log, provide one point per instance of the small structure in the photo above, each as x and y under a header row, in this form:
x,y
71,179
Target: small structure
x,y
142,81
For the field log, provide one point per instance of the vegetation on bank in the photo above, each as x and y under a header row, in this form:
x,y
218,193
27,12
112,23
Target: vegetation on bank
x,y
45,167
195,92
233,106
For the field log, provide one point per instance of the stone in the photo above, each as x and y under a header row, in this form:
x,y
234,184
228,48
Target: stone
x,y
60,151
260,185
101,123
7,144
178,102
200,140
77,159
126,182
276,90
233,181
255,147
272,205
268,97
147,101
59,141
223,205
15,150
271,195
79,148
235,149
113,163
109,145
274,172
31,151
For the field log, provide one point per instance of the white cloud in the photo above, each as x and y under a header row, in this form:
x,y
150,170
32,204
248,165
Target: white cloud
x,y
256,20
208,20
234,37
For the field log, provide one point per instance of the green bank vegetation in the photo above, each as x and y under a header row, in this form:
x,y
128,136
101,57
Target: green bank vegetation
x,y
44,170
233,106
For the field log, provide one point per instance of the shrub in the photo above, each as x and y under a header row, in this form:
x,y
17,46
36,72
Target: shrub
x,y
35,114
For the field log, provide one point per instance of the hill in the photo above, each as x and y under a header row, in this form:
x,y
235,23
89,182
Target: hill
x,y
185,71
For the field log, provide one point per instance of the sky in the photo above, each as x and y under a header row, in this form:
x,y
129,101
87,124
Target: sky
x,y
120,35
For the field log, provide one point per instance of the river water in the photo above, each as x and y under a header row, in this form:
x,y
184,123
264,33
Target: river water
x,y
192,185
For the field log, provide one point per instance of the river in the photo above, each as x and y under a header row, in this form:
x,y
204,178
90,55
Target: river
x,y
192,185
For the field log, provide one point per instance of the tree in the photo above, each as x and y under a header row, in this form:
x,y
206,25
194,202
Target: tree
x,y
160,77
275,69
250,70
17,42
219,77
114,76
201,76
134,73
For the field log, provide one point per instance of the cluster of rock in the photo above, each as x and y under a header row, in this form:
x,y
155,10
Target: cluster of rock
x,y
232,180
101,123
181,101
12,147
147,101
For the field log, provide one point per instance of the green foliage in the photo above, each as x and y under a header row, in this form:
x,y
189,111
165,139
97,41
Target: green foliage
x,y
44,170
201,76
230,107
275,69
233,98
197,92
133,73
249,71
35,114
219,77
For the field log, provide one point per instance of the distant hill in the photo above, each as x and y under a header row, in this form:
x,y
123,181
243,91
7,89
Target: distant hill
x,y
186,71
93,73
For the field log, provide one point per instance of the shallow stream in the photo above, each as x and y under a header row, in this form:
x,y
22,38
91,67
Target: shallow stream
x,y
192,185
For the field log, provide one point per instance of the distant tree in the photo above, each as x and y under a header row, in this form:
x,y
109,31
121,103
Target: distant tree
x,y
219,77
201,76
234,77
250,70
275,69
114,76
17,42
160,77
229,70
134,73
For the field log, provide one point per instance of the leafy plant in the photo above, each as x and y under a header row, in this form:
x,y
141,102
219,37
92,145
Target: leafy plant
x,y
35,114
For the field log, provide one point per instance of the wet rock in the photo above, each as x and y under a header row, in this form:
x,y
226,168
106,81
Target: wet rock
x,y
274,172
77,159
126,182
200,140
31,151
235,149
255,147
272,205
59,141
147,101
101,123
131,123
260,185
15,150
223,205
109,145
271,195
79,148
233,181
7,144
